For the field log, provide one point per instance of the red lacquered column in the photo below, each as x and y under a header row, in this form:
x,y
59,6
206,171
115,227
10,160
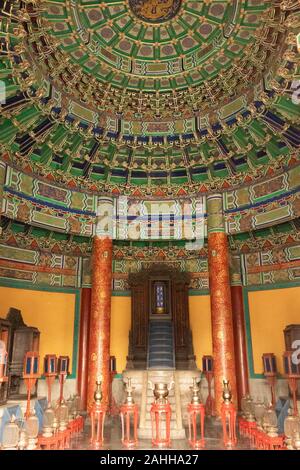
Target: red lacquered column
x,y
220,298
84,345
239,331
99,341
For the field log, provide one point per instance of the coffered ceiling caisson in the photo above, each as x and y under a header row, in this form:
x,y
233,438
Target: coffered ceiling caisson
x,y
112,42
130,96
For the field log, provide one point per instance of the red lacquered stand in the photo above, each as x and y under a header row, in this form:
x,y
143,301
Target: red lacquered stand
x,y
208,370
63,371
196,432
61,439
76,425
48,443
270,372
228,417
264,442
246,428
161,419
50,372
30,375
210,402
129,418
292,373
98,413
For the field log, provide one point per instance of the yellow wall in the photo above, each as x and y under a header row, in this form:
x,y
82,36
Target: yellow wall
x,y
51,312
270,312
201,326
120,327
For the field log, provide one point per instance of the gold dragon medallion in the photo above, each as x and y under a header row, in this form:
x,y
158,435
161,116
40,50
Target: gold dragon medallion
x,y
155,11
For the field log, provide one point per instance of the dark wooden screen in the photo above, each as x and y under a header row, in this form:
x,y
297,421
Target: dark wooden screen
x,y
141,284
138,336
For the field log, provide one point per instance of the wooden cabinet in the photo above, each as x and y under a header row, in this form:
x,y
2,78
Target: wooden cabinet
x,y
23,339
291,334
5,336
138,335
184,354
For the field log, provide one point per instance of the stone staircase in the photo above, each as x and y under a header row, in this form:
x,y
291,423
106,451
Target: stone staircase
x,y
147,398
161,345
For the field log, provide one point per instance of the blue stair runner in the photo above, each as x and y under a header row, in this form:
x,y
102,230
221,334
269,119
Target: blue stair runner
x,y
161,345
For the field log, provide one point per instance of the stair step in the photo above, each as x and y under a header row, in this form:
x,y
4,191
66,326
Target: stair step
x,y
159,368
158,365
160,339
161,328
161,342
163,354
166,329
161,357
161,332
161,345
158,350
161,360
161,363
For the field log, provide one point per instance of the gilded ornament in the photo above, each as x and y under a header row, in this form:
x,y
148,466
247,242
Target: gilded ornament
x,y
220,335
227,395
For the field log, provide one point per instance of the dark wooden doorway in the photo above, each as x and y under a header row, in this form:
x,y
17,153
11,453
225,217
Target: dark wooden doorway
x,y
160,294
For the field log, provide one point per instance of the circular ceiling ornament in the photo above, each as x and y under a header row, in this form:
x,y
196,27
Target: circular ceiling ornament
x,y
103,101
155,11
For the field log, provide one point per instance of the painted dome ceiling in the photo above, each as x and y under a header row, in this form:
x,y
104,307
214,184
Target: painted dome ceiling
x,y
135,95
